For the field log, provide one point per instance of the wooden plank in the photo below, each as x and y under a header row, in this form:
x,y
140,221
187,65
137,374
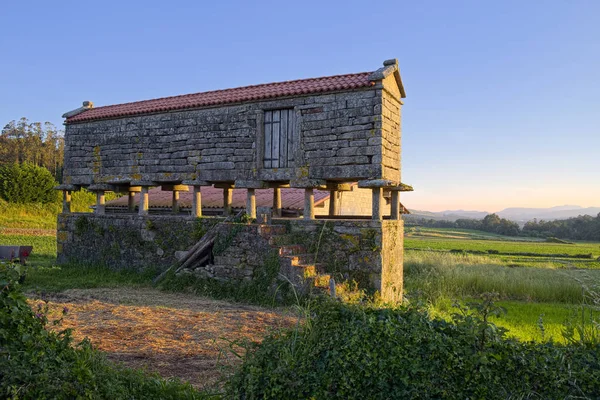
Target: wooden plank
x,y
268,141
291,137
275,137
283,148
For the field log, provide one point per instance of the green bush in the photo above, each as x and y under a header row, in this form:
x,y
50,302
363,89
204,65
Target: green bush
x,y
27,183
352,352
38,364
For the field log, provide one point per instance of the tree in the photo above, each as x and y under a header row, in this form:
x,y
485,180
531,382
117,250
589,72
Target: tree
x,y
27,183
35,143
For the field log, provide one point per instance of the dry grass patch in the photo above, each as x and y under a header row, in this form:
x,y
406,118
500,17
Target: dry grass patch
x,y
174,334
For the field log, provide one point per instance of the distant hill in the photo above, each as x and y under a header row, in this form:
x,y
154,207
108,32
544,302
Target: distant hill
x,y
548,214
517,214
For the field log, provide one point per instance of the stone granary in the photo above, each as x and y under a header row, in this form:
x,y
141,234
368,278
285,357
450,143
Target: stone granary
x,y
330,133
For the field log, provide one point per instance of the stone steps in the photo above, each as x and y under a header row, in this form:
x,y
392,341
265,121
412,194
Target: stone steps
x,y
291,249
299,265
269,231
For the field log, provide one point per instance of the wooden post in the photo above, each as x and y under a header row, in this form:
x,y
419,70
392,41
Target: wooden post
x,y
131,202
175,202
227,192
100,202
395,208
277,202
333,206
197,202
251,203
66,206
377,203
143,209
309,203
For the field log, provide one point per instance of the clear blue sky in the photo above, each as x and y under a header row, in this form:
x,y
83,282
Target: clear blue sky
x,y
503,97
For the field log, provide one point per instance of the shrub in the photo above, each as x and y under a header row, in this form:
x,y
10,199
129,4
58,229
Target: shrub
x,y
27,183
352,352
38,364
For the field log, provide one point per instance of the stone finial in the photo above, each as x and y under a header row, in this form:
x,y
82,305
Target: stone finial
x,y
86,105
389,67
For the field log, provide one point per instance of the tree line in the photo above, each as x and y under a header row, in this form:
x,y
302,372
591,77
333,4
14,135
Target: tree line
x,y
35,143
583,227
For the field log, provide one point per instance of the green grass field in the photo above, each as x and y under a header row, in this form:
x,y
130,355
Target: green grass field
x,y
527,286
543,290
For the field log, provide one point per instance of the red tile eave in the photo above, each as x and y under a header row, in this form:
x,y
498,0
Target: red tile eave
x,y
338,83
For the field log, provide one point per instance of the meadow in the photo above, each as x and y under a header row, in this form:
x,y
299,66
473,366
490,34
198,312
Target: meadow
x,y
544,292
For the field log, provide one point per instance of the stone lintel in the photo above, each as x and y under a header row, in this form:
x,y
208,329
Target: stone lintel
x,y
101,187
196,183
174,188
224,185
307,183
338,187
65,187
241,184
246,184
377,183
143,183
402,187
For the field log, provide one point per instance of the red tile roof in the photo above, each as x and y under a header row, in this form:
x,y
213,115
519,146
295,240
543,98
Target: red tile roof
x,y
292,199
236,95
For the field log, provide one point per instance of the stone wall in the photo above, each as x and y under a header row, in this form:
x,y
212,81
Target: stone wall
x,y
127,240
339,136
366,251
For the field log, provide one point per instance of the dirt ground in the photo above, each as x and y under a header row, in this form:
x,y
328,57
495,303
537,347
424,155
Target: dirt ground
x,y
174,334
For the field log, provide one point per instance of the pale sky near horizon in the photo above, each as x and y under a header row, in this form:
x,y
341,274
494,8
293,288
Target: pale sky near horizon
x,y
502,106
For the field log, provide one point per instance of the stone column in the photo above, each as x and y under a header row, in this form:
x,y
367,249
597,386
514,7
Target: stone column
x,y
175,201
131,202
143,208
196,202
377,203
309,203
277,202
66,205
333,203
100,203
227,194
66,202
251,203
395,206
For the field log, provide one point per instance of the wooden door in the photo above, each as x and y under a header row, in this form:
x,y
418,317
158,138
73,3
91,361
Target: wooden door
x,y
280,138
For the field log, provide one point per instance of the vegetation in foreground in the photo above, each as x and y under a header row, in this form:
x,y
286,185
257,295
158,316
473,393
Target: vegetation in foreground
x,y
354,352
36,363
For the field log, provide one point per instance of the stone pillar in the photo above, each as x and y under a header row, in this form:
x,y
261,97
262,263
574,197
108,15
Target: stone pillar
x,y
131,202
377,203
143,208
66,205
196,202
277,202
309,203
66,202
333,203
175,202
227,194
395,206
251,203
100,203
